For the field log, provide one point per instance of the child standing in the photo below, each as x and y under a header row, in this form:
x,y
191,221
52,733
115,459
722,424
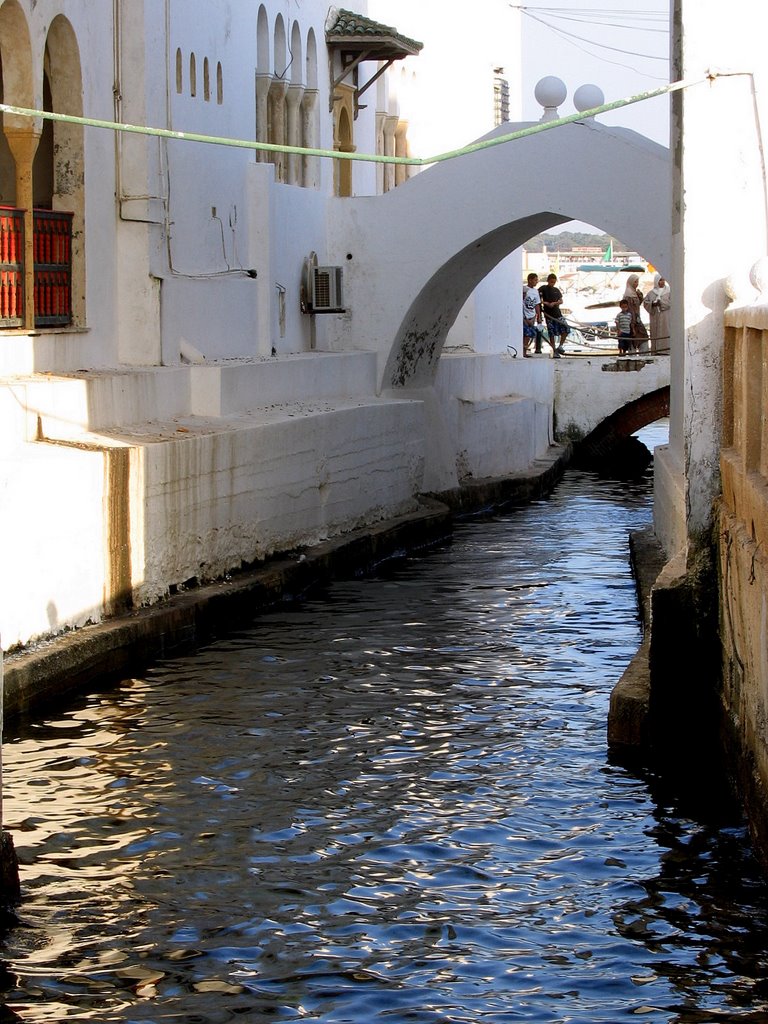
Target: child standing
x,y
531,314
624,327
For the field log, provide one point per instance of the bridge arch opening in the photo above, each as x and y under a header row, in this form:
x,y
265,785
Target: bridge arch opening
x,y
425,328
457,221
610,447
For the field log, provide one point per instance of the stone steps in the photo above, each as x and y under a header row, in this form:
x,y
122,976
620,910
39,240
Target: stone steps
x,y
71,405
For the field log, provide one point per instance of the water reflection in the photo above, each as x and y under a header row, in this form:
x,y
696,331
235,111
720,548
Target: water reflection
x,y
390,803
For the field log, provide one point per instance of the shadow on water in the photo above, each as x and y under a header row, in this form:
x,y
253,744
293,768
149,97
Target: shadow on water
x,y
630,459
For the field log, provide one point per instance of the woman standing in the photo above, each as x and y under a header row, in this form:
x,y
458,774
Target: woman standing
x,y
657,303
634,298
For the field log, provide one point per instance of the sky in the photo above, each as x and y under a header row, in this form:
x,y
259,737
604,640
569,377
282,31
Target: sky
x,y
622,48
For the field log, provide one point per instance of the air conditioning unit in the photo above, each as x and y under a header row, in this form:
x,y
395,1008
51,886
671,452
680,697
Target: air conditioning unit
x,y
326,290
321,288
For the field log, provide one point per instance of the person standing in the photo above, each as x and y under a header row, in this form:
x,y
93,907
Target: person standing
x,y
657,304
557,328
624,327
634,298
531,313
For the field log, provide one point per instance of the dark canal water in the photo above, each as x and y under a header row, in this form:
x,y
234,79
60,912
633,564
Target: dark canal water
x,y
390,804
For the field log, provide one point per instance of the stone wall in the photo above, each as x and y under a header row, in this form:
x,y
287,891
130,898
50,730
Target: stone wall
x,y
743,554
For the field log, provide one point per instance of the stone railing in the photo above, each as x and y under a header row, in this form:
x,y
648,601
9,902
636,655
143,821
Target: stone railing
x,y
743,548
52,248
744,453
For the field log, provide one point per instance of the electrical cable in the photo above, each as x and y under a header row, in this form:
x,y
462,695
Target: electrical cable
x,y
592,42
609,12
614,24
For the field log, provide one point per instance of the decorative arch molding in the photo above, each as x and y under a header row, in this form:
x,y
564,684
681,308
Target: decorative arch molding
x,y
50,175
263,47
296,68
263,80
310,115
287,111
20,84
280,69
310,79
63,68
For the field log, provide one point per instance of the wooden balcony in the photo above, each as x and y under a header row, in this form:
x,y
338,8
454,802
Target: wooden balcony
x,y
53,268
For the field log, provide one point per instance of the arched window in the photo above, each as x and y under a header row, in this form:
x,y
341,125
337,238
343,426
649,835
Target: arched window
x,y
55,204
280,49
42,165
179,73
192,75
219,84
263,81
344,171
206,81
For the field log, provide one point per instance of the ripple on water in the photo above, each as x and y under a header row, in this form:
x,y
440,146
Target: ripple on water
x,y
389,803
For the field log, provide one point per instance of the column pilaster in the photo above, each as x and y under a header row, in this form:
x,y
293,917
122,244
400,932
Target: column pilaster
x,y
293,118
23,142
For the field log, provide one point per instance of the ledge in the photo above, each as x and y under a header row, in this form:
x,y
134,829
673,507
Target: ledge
x,y
628,714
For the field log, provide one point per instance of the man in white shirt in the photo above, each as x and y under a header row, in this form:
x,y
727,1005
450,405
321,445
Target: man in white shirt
x,y
531,314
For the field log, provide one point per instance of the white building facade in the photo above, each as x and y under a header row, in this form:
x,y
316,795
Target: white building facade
x,y
171,407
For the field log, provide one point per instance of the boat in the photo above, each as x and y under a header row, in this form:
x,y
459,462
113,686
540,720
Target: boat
x,y
607,265
612,268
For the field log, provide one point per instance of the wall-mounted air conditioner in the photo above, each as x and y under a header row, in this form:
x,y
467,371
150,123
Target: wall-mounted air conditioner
x,y
322,290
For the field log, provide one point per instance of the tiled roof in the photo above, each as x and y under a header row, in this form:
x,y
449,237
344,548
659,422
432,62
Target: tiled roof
x,y
347,27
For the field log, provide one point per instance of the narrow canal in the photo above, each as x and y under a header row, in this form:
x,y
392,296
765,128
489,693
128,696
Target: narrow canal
x,y
391,803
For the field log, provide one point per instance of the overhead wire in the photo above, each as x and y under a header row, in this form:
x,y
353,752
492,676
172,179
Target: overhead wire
x,y
613,23
603,46
608,12
575,40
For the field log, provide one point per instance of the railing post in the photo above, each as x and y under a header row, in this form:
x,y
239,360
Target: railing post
x,y
53,268
11,267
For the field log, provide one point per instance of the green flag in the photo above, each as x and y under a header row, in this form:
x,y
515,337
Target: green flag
x,y
608,254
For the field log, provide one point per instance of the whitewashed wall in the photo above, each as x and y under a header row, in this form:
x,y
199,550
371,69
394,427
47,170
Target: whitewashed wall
x,y
720,229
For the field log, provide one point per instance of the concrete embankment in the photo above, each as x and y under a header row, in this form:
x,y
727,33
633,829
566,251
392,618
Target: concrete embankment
x,y
666,711
74,661
629,710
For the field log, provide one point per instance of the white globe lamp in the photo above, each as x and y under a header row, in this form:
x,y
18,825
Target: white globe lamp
x,y
550,92
587,97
